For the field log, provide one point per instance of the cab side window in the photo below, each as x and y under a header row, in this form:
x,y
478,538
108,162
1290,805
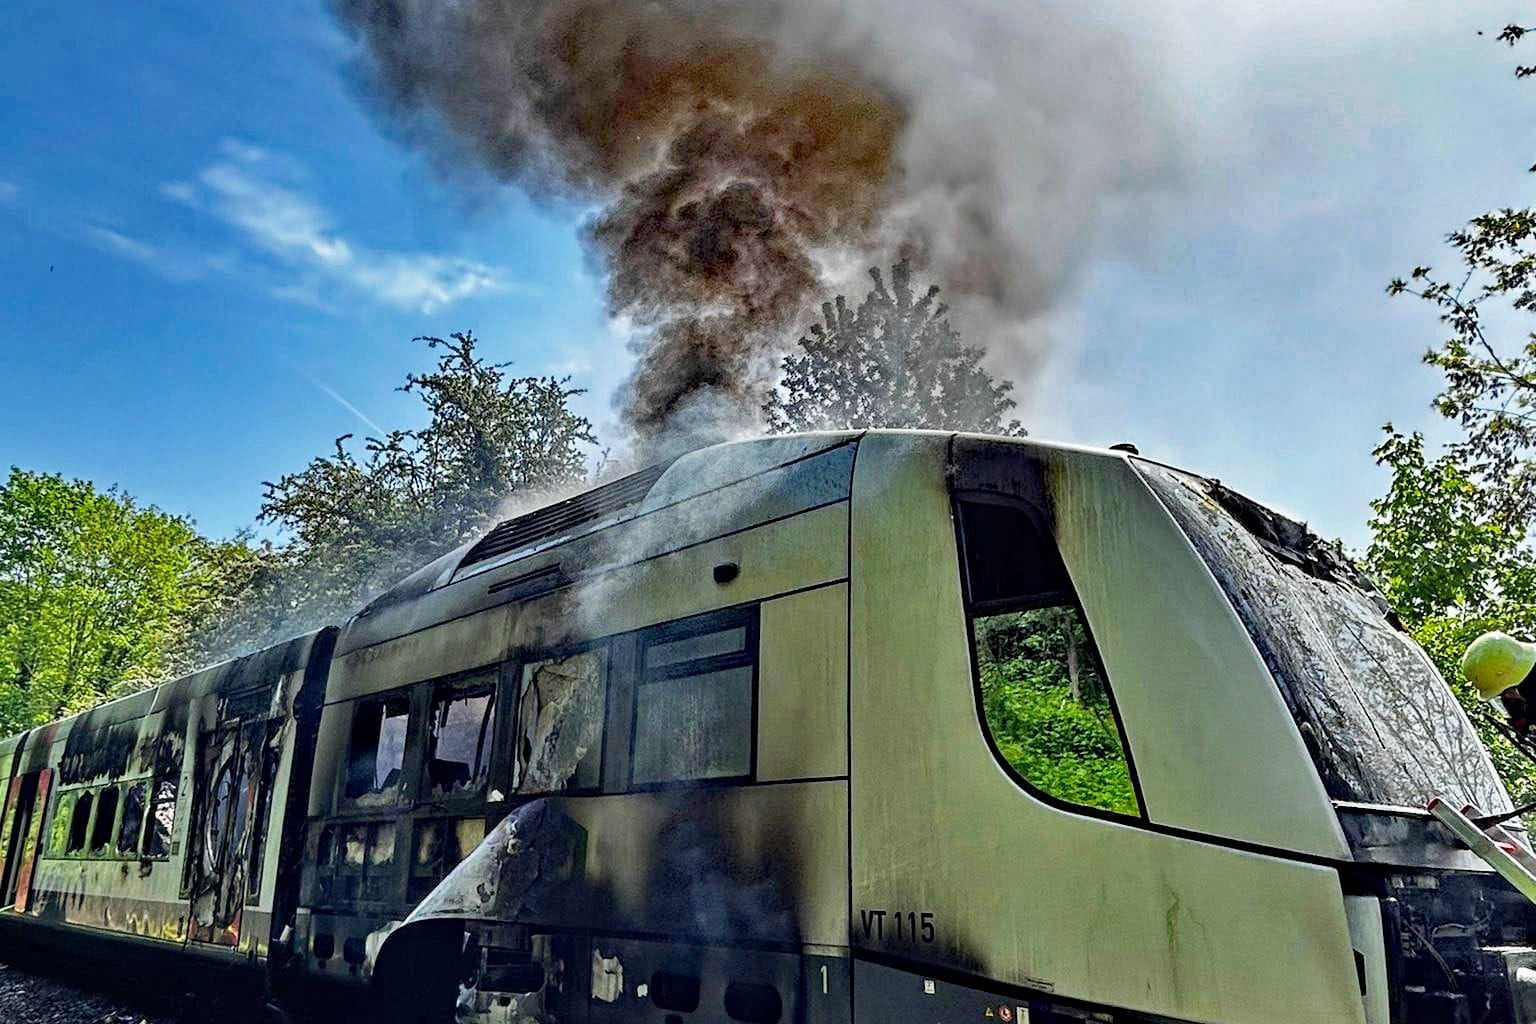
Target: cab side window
x,y
1045,702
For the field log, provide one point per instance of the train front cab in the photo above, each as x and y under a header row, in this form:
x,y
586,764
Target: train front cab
x,y
1077,788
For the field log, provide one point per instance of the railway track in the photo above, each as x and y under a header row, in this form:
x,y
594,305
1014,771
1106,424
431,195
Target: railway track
x,y
30,998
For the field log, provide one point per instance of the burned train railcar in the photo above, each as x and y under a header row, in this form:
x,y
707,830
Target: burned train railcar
x,y
157,822
960,725
823,728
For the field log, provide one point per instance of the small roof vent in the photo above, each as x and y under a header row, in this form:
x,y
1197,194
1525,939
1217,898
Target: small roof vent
x,y
563,517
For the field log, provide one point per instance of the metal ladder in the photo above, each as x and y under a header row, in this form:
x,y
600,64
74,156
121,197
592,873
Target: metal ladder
x,y
1495,844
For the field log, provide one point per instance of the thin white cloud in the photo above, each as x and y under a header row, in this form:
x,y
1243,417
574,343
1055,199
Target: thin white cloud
x,y
167,263
9,190
246,190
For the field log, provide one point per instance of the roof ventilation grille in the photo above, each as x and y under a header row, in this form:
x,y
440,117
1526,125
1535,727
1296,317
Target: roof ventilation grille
x,y
563,517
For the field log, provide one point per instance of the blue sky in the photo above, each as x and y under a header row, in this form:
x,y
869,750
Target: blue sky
x,y
212,259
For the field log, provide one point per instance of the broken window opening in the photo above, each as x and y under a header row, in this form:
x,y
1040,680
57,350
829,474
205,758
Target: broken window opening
x,y
693,703
377,751
459,744
79,823
58,825
217,820
269,757
1045,703
106,820
133,818
162,820
560,724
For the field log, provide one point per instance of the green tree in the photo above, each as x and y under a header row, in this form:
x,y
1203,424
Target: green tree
x,y
894,361
1451,536
1452,568
96,594
1490,379
359,519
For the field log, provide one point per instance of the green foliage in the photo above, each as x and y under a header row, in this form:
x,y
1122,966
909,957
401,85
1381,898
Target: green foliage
x,y
1438,547
1451,537
355,522
1048,711
1453,568
96,593
894,361
1490,381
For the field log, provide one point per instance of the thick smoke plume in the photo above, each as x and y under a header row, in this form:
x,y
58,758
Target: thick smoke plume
x,y
750,155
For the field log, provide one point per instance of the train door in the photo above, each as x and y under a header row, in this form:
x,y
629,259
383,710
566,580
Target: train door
x,y
28,799
228,784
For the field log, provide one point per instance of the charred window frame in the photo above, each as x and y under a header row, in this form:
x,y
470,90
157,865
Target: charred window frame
x,y
57,829
694,710
131,829
80,822
559,707
160,824
356,862
377,750
437,847
1025,579
460,736
269,734
105,822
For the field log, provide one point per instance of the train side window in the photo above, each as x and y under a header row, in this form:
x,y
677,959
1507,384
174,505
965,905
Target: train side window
x,y
106,820
377,750
693,701
1045,702
79,822
161,821
58,825
459,741
355,861
439,847
378,877
560,709
133,818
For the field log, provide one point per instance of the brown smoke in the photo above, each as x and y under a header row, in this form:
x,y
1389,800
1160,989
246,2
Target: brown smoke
x,y
739,147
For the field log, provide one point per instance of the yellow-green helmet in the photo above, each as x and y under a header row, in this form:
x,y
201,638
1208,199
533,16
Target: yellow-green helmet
x,y
1496,661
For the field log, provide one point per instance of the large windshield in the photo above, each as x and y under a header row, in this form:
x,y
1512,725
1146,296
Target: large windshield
x,y
1381,724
